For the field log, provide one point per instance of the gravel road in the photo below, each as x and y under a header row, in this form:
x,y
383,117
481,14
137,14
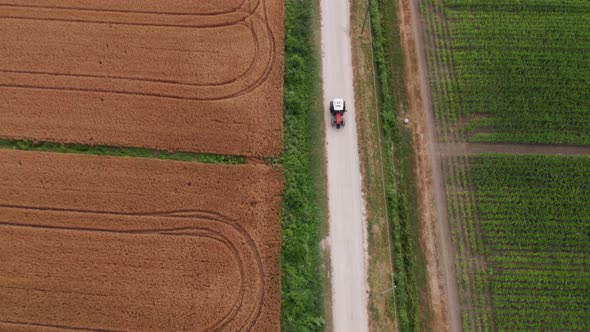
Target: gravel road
x,y
347,239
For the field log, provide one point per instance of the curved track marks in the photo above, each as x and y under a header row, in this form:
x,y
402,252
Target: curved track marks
x,y
170,76
185,7
202,258
91,30
197,225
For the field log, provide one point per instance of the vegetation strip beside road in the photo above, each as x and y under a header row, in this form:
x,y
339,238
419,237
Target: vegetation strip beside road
x,y
411,311
303,215
380,265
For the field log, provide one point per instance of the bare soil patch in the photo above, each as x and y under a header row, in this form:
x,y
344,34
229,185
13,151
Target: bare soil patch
x,y
173,75
107,243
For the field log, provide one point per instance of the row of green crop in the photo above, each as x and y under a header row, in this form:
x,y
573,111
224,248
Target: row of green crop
x,y
548,193
302,305
536,238
515,269
472,272
445,98
388,60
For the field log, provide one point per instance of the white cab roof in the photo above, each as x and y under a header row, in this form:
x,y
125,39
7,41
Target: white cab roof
x,y
338,104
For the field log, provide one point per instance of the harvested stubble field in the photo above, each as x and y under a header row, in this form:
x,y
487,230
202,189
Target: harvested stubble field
x,y
202,76
107,243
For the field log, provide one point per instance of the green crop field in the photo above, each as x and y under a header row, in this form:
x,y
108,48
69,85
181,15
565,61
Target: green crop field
x,y
515,71
510,70
523,237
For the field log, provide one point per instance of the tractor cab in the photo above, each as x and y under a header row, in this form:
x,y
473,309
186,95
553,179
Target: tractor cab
x,y
337,109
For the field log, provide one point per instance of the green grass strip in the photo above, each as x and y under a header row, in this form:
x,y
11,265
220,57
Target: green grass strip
x,y
103,150
397,147
302,306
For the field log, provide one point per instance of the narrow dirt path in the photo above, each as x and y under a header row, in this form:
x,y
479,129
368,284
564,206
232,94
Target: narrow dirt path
x,y
348,231
460,149
436,237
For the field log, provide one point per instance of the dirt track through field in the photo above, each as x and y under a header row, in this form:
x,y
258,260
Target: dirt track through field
x,y
436,237
173,75
106,243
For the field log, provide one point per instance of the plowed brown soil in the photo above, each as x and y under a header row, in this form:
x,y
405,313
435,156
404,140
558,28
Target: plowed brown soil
x,y
104,243
203,76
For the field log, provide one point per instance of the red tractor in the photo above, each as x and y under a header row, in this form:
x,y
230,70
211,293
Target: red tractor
x,y
337,109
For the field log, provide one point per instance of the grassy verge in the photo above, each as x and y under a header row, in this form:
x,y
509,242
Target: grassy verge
x,y
379,272
302,306
121,152
409,305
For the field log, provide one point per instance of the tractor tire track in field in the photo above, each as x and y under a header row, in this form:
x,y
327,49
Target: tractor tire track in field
x,y
222,10
216,251
195,230
259,68
196,82
50,327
